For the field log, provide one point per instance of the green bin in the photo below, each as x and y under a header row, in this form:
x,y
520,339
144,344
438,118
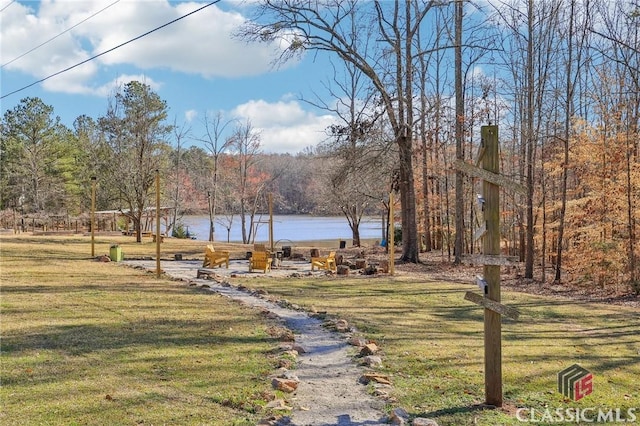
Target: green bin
x,y
115,253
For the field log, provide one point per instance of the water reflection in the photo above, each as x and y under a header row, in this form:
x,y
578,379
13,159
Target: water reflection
x,y
289,227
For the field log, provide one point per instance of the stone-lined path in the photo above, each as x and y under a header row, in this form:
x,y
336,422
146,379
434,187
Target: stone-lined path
x,y
328,392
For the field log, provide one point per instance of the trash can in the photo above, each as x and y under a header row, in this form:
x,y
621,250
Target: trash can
x,y
115,253
343,244
286,251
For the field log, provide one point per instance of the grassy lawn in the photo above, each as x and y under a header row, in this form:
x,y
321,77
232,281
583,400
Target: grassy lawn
x,y
90,343
433,345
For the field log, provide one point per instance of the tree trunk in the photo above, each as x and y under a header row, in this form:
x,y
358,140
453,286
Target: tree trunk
x,y
410,243
530,143
567,130
459,129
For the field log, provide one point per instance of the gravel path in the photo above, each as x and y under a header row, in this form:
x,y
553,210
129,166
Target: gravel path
x,y
328,392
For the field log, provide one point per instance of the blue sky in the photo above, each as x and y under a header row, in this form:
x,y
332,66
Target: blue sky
x,y
194,65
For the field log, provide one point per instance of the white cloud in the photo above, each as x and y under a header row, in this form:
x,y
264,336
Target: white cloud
x,y
284,126
198,44
190,115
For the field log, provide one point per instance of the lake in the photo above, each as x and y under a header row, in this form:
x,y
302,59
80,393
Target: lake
x,y
289,227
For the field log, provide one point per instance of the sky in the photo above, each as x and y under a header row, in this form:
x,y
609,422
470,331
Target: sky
x,y
194,64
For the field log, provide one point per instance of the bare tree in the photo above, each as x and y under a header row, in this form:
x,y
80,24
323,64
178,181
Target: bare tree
x,y
353,176
179,134
620,46
459,132
576,39
245,143
332,26
529,55
213,139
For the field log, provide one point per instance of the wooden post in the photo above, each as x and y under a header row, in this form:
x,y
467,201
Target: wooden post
x,y
391,244
271,222
158,271
93,215
491,246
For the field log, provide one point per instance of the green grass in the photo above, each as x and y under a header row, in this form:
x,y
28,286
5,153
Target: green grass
x,y
75,331
433,345
90,343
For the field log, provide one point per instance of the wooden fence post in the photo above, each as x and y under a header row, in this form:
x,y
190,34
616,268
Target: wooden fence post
x,y
491,246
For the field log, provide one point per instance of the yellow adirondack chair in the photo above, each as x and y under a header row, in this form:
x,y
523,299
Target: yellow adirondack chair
x,y
260,260
213,258
325,262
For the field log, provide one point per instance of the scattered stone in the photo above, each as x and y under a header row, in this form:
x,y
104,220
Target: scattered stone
x,y
293,354
103,258
367,378
318,315
421,421
204,274
290,375
369,349
299,349
278,404
372,361
399,416
268,421
285,346
384,266
381,393
284,385
343,270
342,326
370,270
281,333
285,363
357,341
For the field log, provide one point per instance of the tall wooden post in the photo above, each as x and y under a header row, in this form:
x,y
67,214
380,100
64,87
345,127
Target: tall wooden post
x,y
491,246
271,222
93,215
391,244
158,238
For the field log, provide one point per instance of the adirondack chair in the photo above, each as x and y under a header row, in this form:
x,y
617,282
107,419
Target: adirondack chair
x,y
260,260
260,247
324,262
213,258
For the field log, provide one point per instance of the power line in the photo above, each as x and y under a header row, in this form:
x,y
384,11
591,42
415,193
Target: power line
x,y
55,37
10,3
109,50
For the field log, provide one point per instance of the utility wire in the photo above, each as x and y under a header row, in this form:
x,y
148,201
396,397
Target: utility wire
x,y
10,3
55,37
109,50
